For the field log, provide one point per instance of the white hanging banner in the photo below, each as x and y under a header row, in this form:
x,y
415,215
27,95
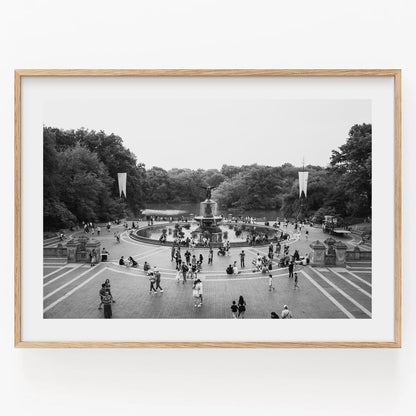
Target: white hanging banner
x,y
122,180
303,183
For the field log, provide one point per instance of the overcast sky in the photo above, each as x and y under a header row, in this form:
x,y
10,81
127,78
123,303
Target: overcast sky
x,y
209,133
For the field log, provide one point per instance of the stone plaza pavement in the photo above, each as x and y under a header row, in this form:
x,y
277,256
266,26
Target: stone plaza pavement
x,y
71,290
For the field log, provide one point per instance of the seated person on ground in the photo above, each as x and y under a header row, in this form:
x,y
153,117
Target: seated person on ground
x,y
229,269
132,262
146,266
121,262
221,251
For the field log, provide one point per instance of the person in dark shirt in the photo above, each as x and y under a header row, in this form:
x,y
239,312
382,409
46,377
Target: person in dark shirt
x,y
104,255
133,263
234,309
229,269
291,267
188,257
241,307
210,256
242,258
121,261
185,270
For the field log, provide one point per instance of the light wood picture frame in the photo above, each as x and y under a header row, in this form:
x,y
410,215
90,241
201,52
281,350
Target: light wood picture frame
x,y
21,74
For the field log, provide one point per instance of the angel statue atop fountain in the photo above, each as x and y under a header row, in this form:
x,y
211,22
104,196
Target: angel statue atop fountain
x,y
208,190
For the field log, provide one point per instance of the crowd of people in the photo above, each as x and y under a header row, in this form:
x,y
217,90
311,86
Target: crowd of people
x,y
189,264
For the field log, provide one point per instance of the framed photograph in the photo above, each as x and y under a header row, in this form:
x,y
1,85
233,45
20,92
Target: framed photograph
x,y
208,208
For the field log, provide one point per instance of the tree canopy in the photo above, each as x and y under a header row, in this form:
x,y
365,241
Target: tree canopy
x,y
81,166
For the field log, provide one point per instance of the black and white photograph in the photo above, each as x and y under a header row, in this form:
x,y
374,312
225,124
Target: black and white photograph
x,y
207,209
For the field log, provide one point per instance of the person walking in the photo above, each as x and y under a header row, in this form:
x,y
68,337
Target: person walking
x,y
108,287
201,259
278,248
178,259
178,275
296,282
107,301
241,307
185,270
93,257
234,310
200,291
286,314
195,293
152,280
188,257
271,287
271,249
210,256
291,267
157,279
242,259
102,293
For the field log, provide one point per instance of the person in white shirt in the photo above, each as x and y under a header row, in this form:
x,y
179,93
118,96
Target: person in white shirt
x,y
286,314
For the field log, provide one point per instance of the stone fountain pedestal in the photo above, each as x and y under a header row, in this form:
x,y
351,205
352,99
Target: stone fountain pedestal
x,y
208,221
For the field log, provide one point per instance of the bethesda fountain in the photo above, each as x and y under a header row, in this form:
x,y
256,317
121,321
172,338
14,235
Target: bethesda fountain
x,y
208,219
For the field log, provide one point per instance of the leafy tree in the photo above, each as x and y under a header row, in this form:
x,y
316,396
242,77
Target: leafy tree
x,y
352,162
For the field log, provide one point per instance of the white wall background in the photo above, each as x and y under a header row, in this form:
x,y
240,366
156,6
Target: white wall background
x,y
207,34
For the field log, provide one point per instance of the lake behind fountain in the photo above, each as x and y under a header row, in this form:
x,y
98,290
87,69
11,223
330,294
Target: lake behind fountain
x,y
186,208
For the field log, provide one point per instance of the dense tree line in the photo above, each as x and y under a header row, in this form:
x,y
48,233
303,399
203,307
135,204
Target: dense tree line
x,y
342,188
81,166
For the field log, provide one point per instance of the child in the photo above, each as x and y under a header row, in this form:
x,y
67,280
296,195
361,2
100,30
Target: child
x,y
234,309
271,287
